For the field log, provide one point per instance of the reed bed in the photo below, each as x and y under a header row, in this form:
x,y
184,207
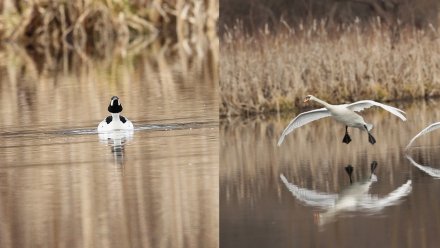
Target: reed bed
x,y
273,70
105,24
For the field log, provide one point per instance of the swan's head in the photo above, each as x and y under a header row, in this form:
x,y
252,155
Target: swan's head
x,y
308,98
115,105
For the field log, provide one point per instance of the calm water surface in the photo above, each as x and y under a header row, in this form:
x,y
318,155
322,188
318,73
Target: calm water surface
x,y
63,185
299,194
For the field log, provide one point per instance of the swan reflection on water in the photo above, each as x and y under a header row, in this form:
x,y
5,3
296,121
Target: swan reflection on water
x,y
353,198
428,170
116,140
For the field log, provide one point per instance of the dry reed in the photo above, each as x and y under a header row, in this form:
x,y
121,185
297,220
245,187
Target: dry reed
x,y
103,25
273,72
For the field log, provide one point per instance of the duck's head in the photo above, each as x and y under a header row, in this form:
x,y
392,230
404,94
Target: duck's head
x,y
308,98
115,105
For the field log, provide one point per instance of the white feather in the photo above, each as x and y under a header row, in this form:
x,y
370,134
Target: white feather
x,y
361,105
303,119
428,129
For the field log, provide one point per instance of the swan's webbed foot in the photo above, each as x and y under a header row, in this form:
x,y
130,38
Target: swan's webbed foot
x,y
346,138
349,170
373,166
371,139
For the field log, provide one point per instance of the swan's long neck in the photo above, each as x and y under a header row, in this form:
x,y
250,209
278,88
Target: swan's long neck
x,y
324,103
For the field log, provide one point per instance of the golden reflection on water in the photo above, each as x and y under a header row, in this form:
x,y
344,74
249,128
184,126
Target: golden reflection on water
x,y
257,208
153,84
59,189
249,147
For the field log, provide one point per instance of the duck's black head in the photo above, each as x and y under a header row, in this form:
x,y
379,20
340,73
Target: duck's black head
x,y
115,105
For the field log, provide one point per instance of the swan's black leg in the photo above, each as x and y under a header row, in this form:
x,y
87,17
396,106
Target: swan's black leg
x,y
346,138
373,166
371,139
349,170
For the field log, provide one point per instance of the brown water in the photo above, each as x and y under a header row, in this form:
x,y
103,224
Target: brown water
x,y
62,185
315,205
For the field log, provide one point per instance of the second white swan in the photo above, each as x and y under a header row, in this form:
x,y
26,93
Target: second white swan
x,y
427,129
344,113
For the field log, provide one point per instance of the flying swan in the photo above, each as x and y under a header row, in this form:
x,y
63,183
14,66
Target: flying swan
x,y
428,129
344,113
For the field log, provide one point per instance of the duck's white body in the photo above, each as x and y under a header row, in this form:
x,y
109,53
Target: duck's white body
x,y
115,121
343,113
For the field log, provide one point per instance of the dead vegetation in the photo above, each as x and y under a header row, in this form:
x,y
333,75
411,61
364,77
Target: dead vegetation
x,y
99,26
273,71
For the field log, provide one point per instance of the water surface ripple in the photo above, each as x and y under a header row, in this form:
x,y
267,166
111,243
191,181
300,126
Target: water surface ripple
x,y
300,194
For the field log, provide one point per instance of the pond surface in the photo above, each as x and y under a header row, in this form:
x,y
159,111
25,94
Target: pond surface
x,y
63,185
300,195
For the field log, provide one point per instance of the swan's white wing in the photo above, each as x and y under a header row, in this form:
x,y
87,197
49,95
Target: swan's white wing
x,y
310,197
374,204
430,171
428,129
361,105
303,119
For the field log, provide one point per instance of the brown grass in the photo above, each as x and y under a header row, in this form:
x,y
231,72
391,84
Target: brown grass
x,y
105,24
273,72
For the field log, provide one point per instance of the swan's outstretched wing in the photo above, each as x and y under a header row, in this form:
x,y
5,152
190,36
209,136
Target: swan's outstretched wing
x,y
428,129
303,119
361,105
310,197
430,171
375,204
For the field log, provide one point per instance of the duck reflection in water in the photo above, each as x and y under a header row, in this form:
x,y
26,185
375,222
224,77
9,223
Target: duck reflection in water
x,y
117,140
428,170
353,198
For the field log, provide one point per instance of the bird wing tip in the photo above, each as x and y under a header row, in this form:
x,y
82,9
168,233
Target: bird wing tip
x,y
280,141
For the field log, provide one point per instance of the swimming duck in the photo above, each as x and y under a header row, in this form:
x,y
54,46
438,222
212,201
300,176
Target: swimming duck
x,y
115,121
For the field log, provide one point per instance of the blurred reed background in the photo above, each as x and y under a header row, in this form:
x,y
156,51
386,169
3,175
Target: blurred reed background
x,y
340,51
275,72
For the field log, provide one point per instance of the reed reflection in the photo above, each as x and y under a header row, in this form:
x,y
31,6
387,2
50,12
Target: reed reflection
x,y
56,188
354,198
